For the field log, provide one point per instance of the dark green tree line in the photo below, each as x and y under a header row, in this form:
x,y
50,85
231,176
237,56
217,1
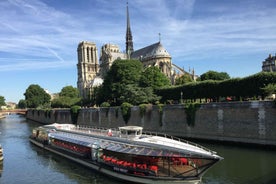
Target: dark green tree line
x,y
247,87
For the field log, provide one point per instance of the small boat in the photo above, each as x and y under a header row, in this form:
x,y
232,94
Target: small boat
x,y
128,153
1,154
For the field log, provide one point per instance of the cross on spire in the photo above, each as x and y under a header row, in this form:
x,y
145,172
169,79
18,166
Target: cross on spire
x,y
159,37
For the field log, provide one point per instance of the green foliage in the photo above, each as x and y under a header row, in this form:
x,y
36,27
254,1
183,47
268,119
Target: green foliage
x,y
123,84
75,113
121,74
153,77
69,91
240,88
68,97
135,95
22,104
126,111
64,102
213,75
2,101
186,78
190,110
35,96
126,71
160,109
269,89
143,109
105,104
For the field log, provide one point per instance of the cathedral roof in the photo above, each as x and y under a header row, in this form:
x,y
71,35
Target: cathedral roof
x,y
151,51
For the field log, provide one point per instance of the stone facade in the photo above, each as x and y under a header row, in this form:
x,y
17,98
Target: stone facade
x,y
155,55
88,66
109,53
269,64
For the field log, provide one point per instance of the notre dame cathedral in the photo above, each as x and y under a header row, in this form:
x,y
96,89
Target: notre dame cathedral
x,y
91,70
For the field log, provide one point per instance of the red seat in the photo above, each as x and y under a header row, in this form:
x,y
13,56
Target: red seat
x,y
184,161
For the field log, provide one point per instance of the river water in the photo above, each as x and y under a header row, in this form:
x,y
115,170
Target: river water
x,y
26,163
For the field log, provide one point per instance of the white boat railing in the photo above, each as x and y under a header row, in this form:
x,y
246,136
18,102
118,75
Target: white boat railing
x,y
179,140
115,133
98,130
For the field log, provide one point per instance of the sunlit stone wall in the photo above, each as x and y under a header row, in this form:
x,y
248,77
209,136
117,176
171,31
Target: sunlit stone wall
x,y
246,122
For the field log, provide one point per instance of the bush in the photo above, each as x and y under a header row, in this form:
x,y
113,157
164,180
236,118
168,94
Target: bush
x,y
247,87
105,104
126,111
143,109
190,109
75,113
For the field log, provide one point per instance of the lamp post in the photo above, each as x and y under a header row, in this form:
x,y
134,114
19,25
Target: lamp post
x,y
181,95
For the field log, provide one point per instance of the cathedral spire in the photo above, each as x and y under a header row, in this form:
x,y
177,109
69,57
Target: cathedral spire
x,y
129,43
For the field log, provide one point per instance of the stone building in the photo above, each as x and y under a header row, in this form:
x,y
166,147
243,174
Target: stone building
x,y
109,53
89,68
155,55
269,64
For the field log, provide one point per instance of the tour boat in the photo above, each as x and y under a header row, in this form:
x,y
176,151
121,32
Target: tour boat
x,y
127,153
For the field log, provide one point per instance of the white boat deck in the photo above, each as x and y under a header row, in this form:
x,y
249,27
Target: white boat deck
x,y
147,144
163,141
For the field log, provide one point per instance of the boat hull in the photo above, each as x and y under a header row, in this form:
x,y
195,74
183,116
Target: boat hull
x,y
1,154
111,172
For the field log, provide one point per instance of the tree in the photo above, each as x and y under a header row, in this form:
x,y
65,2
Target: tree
x,y
68,97
22,104
153,77
185,78
213,75
136,95
121,73
69,91
269,89
2,101
36,96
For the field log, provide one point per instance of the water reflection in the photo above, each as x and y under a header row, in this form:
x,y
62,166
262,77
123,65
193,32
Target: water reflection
x,y
243,165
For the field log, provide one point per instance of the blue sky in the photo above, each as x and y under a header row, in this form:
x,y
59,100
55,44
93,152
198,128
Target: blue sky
x,y
39,38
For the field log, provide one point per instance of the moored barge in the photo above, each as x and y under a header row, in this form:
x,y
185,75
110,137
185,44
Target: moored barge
x,y
127,153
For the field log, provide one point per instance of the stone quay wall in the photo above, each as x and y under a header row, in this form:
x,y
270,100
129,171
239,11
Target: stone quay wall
x,y
243,122
49,116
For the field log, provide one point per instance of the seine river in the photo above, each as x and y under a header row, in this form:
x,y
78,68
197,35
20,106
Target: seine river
x,y
25,163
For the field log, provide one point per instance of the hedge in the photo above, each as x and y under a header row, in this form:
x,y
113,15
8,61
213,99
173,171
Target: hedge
x,y
247,87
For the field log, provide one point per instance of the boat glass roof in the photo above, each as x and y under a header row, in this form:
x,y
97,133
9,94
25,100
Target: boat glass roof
x,y
112,145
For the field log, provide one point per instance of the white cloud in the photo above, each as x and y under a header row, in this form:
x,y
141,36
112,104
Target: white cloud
x,y
190,30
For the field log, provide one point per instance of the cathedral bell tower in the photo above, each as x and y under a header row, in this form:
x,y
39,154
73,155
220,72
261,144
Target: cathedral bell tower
x,y
88,66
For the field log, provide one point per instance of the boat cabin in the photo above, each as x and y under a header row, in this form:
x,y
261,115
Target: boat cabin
x,y
130,131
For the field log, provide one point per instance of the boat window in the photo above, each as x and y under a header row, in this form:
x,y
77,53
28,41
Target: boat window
x,y
124,132
131,132
139,132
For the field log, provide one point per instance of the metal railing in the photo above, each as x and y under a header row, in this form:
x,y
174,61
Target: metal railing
x,y
103,131
179,140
